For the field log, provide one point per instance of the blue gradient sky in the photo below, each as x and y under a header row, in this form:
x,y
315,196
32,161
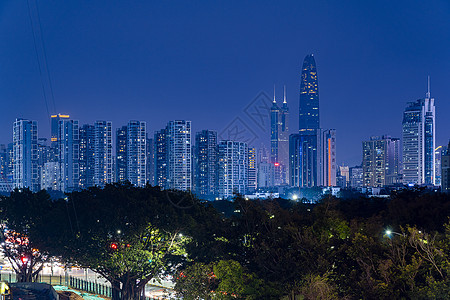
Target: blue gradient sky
x,y
206,60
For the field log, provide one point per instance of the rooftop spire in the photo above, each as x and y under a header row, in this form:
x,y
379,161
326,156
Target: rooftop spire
x,y
284,99
428,89
274,94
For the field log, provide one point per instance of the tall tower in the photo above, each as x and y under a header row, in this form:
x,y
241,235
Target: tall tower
x,y
279,140
137,153
25,151
419,141
309,97
232,168
86,159
121,154
205,173
103,169
68,154
179,155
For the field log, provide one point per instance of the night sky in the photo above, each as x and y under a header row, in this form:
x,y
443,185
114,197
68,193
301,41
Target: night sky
x,y
206,61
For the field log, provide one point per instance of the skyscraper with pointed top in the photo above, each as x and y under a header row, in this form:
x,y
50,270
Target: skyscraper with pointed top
x,y
419,141
312,152
309,97
279,140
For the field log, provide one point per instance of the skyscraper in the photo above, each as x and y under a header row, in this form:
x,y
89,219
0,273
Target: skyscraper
x,y
205,154
419,141
160,158
25,151
445,171
68,154
136,153
179,155
86,159
380,161
103,165
309,97
252,170
232,169
279,141
327,159
121,154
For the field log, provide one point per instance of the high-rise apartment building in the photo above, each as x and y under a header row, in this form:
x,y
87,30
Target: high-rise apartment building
x,y
150,160
137,153
121,154
103,163
179,155
68,154
232,168
356,177
252,170
419,141
25,153
381,161
279,140
205,156
86,158
160,158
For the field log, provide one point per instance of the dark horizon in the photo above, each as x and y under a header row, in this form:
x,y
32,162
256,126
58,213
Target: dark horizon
x,y
206,62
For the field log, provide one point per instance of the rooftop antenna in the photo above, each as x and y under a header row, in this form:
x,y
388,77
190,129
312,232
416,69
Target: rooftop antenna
x,y
428,90
274,94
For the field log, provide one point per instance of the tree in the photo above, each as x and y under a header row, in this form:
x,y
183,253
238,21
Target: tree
x,y
22,215
128,235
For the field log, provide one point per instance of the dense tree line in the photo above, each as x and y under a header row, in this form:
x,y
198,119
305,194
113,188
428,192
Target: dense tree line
x,y
240,249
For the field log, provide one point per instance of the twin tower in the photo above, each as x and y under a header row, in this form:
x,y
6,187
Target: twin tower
x,y
306,159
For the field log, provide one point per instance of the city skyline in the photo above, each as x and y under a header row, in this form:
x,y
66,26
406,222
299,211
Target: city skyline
x,y
108,70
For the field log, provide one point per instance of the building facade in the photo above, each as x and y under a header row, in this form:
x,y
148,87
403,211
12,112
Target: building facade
x,y
25,153
205,156
103,158
232,168
381,161
418,135
179,155
445,171
279,140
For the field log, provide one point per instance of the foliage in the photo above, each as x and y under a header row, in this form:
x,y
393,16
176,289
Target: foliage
x,y
22,214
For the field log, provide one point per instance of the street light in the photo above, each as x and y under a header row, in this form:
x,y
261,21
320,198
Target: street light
x,y
390,232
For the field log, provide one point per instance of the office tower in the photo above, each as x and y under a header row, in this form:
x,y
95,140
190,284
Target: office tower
x,y
303,154
179,155
136,153
86,158
150,161
205,156
252,170
121,154
445,171
438,153
266,175
103,165
419,141
160,158
25,151
380,161
309,97
327,157
356,177
68,148
232,168
279,140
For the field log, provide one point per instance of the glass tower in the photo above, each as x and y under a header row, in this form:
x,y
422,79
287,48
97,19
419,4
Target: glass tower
x,y
309,97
